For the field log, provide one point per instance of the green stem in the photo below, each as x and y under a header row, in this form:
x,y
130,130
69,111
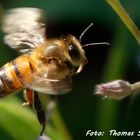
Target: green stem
x,y
59,124
116,5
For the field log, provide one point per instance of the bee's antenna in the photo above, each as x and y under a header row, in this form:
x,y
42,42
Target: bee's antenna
x,y
82,34
94,44
91,44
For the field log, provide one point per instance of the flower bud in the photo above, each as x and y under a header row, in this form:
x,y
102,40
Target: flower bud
x,y
44,137
117,89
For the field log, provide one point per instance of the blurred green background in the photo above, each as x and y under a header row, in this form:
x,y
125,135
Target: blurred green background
x,y
81,110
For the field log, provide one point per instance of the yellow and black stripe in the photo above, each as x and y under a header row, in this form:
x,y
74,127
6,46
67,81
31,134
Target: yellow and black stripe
x,y
13,74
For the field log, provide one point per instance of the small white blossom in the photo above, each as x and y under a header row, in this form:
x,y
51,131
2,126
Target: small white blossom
x,y
117,89
44,137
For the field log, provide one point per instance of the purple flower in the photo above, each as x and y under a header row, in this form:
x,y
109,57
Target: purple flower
x,y
117,89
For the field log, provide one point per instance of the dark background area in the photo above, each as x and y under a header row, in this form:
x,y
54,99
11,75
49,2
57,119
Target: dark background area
x,y
81,110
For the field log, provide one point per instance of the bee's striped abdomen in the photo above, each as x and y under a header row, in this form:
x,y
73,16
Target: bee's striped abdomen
x,y
12,74
8,80
3,89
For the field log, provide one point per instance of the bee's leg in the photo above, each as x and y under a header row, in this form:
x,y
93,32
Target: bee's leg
x,y
40,112
28,96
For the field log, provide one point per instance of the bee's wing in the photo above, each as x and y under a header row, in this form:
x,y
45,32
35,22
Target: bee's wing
x,y
49,79
49,86
24,28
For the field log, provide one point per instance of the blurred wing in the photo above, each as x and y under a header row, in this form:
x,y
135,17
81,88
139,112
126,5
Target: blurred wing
x,y
49,86
24,28
48,80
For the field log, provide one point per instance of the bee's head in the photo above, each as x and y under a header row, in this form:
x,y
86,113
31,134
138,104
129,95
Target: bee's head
x,y
75,53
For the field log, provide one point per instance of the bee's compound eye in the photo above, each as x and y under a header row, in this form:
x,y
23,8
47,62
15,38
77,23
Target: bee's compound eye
x,y
73,52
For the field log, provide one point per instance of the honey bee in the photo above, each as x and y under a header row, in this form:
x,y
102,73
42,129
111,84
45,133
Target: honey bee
x,y
45,65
